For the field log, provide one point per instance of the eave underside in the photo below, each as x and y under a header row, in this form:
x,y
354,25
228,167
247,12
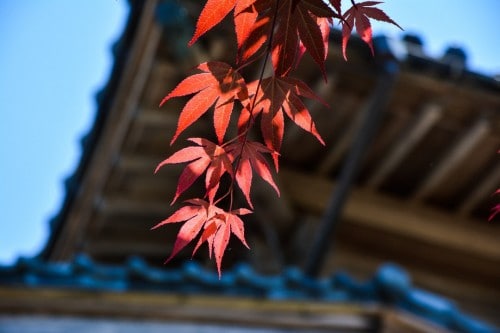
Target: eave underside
x,y
421,198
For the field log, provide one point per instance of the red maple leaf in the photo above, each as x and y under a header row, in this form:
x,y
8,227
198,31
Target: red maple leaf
x,y
251,158
218,83
298,28
252,21
283,30
286,40
359,16
314,30
324,26
206,155
217,226
218,236
278,94
213,12
247,26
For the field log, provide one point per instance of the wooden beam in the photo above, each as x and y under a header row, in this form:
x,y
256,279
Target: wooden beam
x,y
157,117
121,114
394,216
454,157
428,117
398,118
356,261
124,206
144,164
439,87
200,310
340,147
396,323
218,48
146,248
484,189
138,163
197,309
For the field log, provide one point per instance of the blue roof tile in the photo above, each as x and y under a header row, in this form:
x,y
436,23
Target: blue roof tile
x,y
390,285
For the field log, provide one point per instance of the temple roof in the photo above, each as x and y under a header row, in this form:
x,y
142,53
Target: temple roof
x,y
419,196
390,286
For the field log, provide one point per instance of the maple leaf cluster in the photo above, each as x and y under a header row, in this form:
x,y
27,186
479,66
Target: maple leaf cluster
x,y
279,30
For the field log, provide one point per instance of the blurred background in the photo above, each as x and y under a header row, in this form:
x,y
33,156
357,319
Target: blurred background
x,y
407,174
56,55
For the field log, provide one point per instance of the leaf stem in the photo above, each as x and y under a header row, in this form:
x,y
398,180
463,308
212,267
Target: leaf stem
x,y
245,133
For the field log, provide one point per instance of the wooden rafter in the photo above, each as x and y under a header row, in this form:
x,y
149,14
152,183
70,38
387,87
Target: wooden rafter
x,y
456,155
424,122
120,115
483,189
268,315
335,154
394,216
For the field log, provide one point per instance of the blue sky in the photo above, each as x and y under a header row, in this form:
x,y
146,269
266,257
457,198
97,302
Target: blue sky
x,y
473,25
55,54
